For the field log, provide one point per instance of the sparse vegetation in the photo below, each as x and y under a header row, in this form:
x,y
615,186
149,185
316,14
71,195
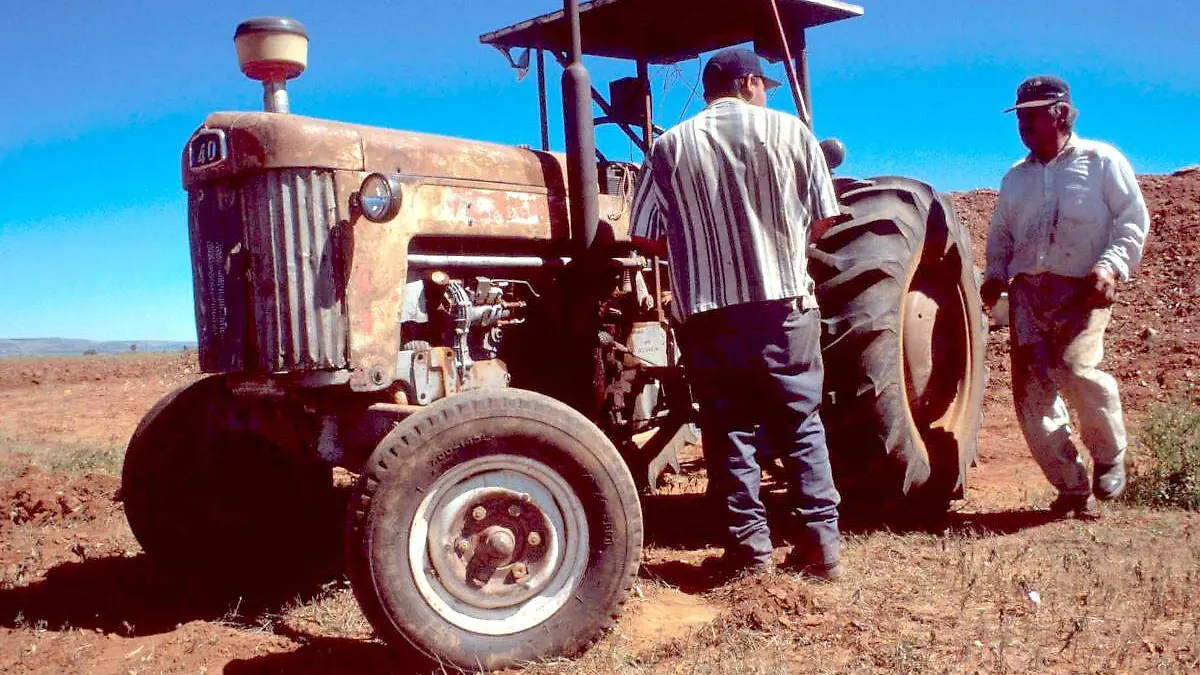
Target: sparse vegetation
x,y
73,460
1168,475
333,613
1117,596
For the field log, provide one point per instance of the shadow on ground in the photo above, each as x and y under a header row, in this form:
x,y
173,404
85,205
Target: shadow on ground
x,y
137,596
336,656
134,596
997,523
686,522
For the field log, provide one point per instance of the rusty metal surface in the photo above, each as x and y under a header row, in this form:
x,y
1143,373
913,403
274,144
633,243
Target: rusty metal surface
x,y
264,140
487,373
325,283
436,208
426,155
270,141
430,374
377,270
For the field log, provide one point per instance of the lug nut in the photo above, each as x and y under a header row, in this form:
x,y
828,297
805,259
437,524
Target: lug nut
x,y
519,571
461,546
514,511
534,539
479,513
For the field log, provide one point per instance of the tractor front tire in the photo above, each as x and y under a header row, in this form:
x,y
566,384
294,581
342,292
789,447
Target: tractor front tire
x,y
903,347
495,527
218,484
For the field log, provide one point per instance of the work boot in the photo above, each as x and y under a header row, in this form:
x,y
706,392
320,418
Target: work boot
x,y
1108,480
726,568
829,572
1080,507
823,571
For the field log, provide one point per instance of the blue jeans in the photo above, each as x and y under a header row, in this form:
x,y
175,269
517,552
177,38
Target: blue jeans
x,y
756,371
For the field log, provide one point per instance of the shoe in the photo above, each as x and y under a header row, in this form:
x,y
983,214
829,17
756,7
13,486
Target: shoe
x,y
825,571
727,568
1080,507
1108,480
829,572
1089,509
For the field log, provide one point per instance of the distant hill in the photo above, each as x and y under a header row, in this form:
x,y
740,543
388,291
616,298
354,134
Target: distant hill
x,y
64,346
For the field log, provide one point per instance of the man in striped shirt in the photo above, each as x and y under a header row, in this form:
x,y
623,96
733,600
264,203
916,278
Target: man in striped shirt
x,y
730,196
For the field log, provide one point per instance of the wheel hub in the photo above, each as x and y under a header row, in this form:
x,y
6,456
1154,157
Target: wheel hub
x,y
498,544
490,547
935,360
920,320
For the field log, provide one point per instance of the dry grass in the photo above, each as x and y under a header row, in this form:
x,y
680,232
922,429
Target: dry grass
x,y
1002,592
72,461
1115,596
333,613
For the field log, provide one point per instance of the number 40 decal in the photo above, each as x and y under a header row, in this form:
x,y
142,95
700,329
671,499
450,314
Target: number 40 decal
x,y
207,148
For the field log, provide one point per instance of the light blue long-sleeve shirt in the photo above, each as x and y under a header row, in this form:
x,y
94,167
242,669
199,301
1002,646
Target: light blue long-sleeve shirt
x,y
1081,209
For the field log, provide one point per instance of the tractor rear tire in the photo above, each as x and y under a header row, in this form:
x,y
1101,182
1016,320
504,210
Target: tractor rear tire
x,y
903,344
218,484
494,528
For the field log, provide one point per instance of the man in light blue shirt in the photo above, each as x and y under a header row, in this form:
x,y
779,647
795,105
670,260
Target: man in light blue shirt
x,y
1070,223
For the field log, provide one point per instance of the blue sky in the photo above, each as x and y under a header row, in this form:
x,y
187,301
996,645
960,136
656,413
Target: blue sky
x,y
100,96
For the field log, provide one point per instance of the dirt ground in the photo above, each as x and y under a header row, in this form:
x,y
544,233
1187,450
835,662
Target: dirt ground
x,y
997,588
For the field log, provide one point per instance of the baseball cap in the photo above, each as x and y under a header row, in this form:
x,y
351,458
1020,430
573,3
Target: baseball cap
x,y
730,64
1041,90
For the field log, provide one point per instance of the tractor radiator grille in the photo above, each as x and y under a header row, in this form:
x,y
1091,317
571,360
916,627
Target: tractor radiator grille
x,y
268,293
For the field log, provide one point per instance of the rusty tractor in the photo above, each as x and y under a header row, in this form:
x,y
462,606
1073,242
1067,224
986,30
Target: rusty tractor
x,y
466,327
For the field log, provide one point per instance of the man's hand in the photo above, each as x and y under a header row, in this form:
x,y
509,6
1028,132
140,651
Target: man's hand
x,y
990,291
818,227
1103,286
656,247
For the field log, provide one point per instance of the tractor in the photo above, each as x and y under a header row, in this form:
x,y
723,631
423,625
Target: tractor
x,y
466,331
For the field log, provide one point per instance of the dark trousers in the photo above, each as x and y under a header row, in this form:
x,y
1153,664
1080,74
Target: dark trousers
x,y
757,374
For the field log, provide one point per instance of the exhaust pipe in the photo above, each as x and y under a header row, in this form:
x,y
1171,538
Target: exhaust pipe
x,y
583,185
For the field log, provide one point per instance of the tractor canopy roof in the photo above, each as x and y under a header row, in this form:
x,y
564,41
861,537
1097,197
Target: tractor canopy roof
x,y
667,31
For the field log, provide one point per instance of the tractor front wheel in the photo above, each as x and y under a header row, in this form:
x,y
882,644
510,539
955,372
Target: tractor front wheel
x,y
493,528
219,483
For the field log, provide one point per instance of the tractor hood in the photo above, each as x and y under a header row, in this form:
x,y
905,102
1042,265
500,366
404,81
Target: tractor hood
x,y
240,142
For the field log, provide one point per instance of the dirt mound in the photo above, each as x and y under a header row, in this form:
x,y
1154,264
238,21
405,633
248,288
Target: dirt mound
x,y
1153,341
38,498
772,601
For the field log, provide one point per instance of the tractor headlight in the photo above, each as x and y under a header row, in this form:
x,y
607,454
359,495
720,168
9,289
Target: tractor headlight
x,y
379,197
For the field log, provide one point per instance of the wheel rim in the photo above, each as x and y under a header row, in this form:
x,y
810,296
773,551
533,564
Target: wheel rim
x,y
936,361
498,544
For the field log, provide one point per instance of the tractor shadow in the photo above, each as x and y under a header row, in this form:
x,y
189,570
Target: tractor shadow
x,y
336,656
137,596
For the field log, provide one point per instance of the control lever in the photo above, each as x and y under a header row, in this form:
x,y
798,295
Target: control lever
x,y
607,340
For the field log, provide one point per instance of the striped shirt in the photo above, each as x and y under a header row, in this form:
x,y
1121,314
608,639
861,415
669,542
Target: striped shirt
x,y
734,191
